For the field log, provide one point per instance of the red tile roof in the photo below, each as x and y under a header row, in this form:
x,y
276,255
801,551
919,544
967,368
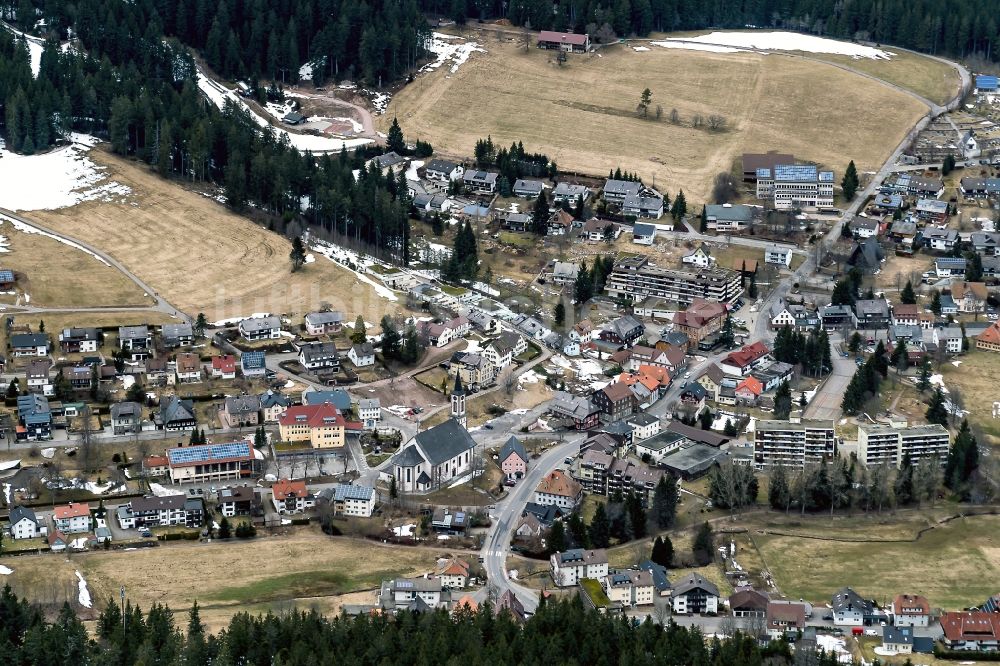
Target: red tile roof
x,y
971,626
911,604
751,384
991,335
225,363
747,355
72,510
562,37
559,483
284,489
316,416
699,313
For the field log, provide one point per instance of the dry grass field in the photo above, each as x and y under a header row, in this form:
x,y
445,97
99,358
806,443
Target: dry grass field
x,y
955,563
583,114
67,277
302,570
202,257
975,380
928,78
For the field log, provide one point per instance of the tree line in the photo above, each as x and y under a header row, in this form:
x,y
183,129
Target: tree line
x,y
958,28
299,638
811,350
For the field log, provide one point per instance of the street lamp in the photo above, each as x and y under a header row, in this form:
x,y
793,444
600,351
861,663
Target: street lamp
x,y
123,610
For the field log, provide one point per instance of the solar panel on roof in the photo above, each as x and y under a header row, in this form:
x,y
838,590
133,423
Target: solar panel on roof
x,y
404,584
207,453
793,172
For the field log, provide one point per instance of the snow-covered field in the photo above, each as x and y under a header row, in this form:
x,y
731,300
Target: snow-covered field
x,y
692,46
343,256
57,179
728,42
218,94
448,48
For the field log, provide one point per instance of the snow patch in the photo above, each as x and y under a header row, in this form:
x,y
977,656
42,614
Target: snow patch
x,y
780,41
693,46
8,495
84,597
343,256
956,363
456,52
49,452
161,491
640,49
60,178
404,530
529,377
5,571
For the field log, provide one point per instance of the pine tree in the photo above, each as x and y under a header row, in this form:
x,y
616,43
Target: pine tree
x,y
726,336
360,333
963,459
843,293
881,364
394,138
854,345
225,529
559,314
663,551
298,254
937,412
908,296
664,507
583,288
200,324
849,183
778,490
783,401
936,302
556,541
540,215
636,516
703,547
703,225
730,429
924,382
903,485
679,209
600,528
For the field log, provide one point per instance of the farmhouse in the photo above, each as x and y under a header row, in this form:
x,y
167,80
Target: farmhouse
x,y
563,41
212,462
260,328
795,186
434,456
727,218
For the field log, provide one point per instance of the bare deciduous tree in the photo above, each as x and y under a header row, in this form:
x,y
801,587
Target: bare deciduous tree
x,y
509,382
724,188
716,123
675,117
697,120
659,112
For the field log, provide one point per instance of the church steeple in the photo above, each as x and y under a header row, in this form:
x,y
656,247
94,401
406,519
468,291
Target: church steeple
x,y
458,402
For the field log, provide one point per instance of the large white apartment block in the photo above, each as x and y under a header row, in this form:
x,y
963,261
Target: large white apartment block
x,y
889,444
635,278
795,186
793,444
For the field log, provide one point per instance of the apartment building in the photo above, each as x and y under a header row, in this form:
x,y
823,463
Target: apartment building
x,y
794,443
795,186
889,444
636,279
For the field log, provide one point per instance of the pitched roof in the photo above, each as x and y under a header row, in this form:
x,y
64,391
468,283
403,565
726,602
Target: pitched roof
x,y
513,446
747,355
562,37
19,513
242,404
71,510
272,398
559,483
616,392
225,363
991,335
444,441
911,604
188,362
176,409
751,384
123,409
323,415
748,599
971,626
285,489
257,324
695,582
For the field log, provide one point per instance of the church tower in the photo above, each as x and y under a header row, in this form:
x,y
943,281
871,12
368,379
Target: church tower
x,y
458,402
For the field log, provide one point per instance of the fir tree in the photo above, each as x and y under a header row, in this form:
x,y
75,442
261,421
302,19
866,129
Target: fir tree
x,y
600,528
540,215
298,254
679,209
849,183
703,547
778,491
937,412
664,508
908,296
663,551
559,314
936,302
394,138
556,541
924,382
359,334
783,401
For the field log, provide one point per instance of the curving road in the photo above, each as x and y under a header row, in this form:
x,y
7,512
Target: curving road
x,y
161,304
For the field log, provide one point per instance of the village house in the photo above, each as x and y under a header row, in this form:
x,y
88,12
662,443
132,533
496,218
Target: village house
x,y
596,229
563,41
291,497
727,218
564,272
349,500
693,595
527,189
570,566
440,335
435,455
989,340
321,425
560,223
453,573
700,319
72,518
942,240
23,523
910,610
849,609
134,338
624,331
519,222
239,501
224,367
616,190
970,297
950,267
569,193
417,595
34,417
175,414
126,418
643,234
742,361
480,182
319,355
865,227
79,340
324,323
240,411
29,344
630,588
391,160
253,364
176,335
777,255
272,405
578,412
974,631
187,368
872,314
362,355
615,402
558,488
647,203
38,376
212,462
369,412
932,210
513,459
748,603
260,328
785,618
698,257
443,171
155,466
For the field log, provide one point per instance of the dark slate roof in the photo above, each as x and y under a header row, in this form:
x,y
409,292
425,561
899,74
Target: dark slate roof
x,y
272,398
18,513
848,599
408,457
695,582
545,513
339,398
513,445
122,409
175,409
29,340
444,441
660,580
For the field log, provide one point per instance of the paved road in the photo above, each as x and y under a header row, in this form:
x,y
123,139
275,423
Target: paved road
x,y
825,404
161,303
497,545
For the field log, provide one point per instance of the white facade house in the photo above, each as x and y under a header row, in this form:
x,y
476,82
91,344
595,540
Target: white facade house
x,y
569,566
370,412
559,489
693,595
362,355
777,255
351,500
700,258
72,517
260,328
23,523
911,610
849,609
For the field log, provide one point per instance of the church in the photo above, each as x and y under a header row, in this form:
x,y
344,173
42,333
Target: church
x,y
436,456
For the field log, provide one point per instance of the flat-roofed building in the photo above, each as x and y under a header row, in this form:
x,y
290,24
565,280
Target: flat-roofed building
x,y
793,443
636,279
212,462
795,186
889,444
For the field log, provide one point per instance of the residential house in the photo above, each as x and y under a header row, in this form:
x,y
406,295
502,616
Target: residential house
x,y
778,256
784,618
134,337
527,189
644,426
970,297
950,338
865,227
986,244
418,595
624,331
353,500
872,314
224,367
911,610
772,376
693,595
370,412
23,523
949,267
126,418
321,425
187,368
440,335
34,417
579,412
324,323
867,254
516,222
693,398
559,489
156,466
513,459
291,497
749,390
79,340
727,218
742,361
240,411
700,319
569,193
474,370
897,640
499,353
974,631
932,210
239,501
646,203
71,518
643,234
560,223
849,609
480,182
213,462
904,314
443,171
630,588
453,573
446,521
362,356
272,405
253,364
836,317
57,541
570,566
29,344
596,230
564,272
338,397
319,356
38,376
164,511
175,414
176,335
699,257
615,401
392,160
942,240
434,456
260,328
616,190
